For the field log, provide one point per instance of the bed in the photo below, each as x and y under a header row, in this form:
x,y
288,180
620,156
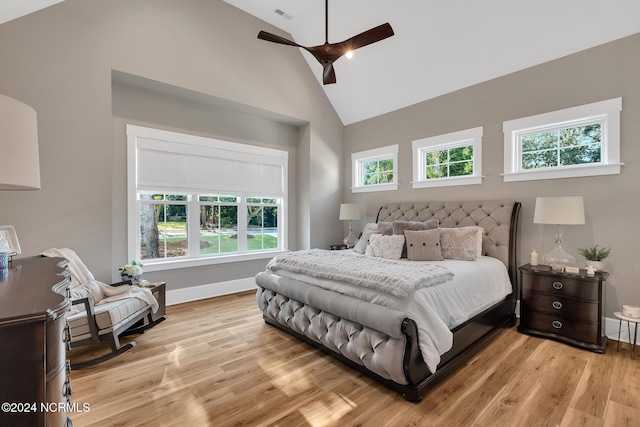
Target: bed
x,y
390,335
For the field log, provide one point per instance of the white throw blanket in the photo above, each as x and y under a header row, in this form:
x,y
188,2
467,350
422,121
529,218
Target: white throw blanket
x,y
81,276
385,275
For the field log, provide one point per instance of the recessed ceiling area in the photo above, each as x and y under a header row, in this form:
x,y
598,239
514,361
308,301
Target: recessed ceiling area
x,y
438,46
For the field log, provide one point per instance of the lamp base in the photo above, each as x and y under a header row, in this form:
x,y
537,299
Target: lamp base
x,y
350,240
558,258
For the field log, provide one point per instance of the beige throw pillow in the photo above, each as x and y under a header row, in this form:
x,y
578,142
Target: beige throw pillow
x,y
423,245
399,227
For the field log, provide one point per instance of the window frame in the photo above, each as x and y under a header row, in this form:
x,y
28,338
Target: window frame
x,y
358,159
193,205
464,138
605,112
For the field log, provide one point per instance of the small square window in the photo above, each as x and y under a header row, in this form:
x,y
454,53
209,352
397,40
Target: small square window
x,y
450,159
375,170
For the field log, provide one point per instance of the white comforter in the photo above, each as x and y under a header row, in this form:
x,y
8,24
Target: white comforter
x,y
386,275
476,286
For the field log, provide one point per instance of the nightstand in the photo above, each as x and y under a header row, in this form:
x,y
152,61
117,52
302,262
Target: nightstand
x,y
338,247
158,289
563,306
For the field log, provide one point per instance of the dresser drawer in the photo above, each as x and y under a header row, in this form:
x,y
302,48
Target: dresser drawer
x,y
57,393
55,346
559,305
562,286
550,324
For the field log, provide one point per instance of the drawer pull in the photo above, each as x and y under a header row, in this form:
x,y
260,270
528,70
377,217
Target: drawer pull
x,y
66,337
67,390
557,285
556,324
557,305
68,366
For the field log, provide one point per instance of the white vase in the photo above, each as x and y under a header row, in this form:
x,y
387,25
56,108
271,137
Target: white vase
x,y
598,265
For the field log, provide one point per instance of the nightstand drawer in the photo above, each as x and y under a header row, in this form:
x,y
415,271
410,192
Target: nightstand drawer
x,y
550,324
560,306
562,286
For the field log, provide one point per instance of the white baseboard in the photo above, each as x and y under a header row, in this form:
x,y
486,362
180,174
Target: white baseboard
x,y
194,293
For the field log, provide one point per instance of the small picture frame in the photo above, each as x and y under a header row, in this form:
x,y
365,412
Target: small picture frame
x,y
9,240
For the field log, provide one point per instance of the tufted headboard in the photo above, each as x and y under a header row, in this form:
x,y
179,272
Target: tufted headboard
x,y
498,218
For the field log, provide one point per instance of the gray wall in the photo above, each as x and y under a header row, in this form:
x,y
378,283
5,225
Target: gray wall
x,y
612,203
61,61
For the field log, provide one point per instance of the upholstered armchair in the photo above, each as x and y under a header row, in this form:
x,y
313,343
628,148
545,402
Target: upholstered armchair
x,y
102,312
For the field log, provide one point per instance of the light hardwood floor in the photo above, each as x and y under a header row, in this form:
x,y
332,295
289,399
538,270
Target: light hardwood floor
x,y
216,363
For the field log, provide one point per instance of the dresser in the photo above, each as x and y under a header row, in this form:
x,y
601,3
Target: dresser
x,y
562,306
34,388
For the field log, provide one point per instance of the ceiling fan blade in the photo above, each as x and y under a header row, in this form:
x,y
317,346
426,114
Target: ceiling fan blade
x,y
368,37
263,35
328,53
328,74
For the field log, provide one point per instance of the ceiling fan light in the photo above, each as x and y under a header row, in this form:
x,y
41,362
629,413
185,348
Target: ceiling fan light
x,y
349,54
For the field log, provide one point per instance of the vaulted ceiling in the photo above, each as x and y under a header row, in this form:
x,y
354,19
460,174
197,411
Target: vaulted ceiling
x,y
439,46
12,9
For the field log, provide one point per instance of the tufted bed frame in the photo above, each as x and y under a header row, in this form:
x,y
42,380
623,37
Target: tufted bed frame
x,y
382,342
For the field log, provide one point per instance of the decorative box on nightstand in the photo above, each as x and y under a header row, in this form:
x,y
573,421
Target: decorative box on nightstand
x,y
563,306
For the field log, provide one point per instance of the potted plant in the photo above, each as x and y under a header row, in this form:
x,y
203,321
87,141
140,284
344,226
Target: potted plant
x,y
595,255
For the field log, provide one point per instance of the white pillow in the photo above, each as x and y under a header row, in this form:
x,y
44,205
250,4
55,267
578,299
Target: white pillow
x,y
463,243
385,246
380,227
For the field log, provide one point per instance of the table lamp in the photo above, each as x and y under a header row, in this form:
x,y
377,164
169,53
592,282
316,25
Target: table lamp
x,y
350,211
559,211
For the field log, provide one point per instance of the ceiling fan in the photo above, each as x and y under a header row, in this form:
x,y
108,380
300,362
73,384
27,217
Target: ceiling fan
x,y
328,53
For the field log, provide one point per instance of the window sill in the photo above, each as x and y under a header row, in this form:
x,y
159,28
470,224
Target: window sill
x,y
372,188
222,259
447,182
569,172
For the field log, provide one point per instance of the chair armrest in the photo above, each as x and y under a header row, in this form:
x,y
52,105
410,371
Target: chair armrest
x,y
123,283
91,316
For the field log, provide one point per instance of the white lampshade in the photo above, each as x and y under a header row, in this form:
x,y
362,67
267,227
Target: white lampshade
x,y
350,211
559,210
19,160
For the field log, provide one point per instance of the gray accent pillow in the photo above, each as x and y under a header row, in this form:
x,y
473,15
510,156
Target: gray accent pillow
x,y
423,245
382,227
399,227
460,243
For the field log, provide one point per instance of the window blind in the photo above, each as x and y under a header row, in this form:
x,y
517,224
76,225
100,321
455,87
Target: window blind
x,y
172,161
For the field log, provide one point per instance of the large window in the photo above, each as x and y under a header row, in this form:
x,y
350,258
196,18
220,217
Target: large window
x,y
195,200
579,141
450,159
375,170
